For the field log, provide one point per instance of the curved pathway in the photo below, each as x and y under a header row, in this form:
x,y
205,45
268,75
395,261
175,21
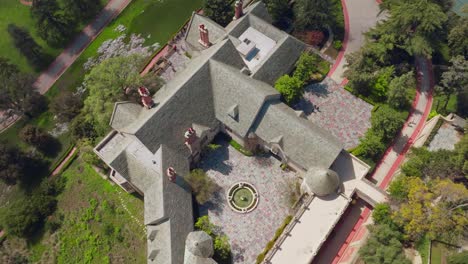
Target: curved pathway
x,y
359,16
48,77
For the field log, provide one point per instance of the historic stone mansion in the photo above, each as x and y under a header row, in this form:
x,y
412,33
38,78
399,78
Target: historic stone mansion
x,y
226,87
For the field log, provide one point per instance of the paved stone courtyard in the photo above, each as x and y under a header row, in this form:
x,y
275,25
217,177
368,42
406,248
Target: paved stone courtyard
x,y
446,138
248,233
336,110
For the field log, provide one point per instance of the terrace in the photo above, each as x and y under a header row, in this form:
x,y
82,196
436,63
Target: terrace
x,y
226,166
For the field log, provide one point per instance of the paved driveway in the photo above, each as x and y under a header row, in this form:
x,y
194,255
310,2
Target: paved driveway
x,y
248,233
361,16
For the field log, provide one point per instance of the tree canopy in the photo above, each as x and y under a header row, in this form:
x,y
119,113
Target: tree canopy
x,y
386,122
220,11
17,93
436,208
11,164
109,82
289,87
53,25
201,184
313,14
383,246
401,91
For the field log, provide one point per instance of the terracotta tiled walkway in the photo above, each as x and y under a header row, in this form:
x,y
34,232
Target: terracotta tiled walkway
x,y
248,233
339,112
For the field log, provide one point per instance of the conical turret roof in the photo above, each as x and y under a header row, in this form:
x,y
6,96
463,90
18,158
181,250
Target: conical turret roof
x,y
321,182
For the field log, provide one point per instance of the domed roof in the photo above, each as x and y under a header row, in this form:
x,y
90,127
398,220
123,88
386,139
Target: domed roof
x,y
321,182
199,244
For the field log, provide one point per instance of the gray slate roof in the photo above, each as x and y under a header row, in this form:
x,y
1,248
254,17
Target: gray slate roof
x,y
216,32
124,111
199,244
211,89
302,141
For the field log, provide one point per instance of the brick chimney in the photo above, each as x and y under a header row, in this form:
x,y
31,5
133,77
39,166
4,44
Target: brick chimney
x,y
171,174
204,38
238,10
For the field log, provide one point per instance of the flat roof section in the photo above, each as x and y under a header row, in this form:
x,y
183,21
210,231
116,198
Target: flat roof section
x,y
255,45
311,231
112,145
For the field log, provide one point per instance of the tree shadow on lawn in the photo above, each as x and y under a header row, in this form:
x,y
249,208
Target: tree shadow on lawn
x,y
51,148
35,170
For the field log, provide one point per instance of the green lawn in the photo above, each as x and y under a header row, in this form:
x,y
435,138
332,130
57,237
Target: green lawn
x,y
422,246
12,11
95,227
440,101
440,252
159,20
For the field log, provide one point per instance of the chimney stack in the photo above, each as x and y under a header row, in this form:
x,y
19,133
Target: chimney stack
x,y
204,38
238,10
171,174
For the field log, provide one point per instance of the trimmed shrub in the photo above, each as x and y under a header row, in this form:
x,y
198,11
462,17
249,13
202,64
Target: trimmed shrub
x,y
337,44
289,87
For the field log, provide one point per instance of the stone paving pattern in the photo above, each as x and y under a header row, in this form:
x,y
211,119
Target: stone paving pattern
x,y
336,110
178,61
248,233
446,138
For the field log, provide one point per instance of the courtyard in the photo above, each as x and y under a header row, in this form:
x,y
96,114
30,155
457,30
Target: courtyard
x,y
337,111
248,233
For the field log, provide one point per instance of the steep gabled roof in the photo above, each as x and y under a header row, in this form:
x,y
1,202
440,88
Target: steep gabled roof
x,y
302,141
280,61
216,32
232,88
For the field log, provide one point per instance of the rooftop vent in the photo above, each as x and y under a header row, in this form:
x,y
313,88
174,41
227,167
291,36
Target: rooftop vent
x,y
152,235
233,112
153,254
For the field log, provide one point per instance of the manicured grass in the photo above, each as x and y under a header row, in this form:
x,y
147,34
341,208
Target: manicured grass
x,y
12,11
422,246
441,100
242,197
95,226
160,20
157,21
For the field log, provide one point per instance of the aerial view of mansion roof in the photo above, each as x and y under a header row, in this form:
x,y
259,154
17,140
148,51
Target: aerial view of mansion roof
x,y
226,87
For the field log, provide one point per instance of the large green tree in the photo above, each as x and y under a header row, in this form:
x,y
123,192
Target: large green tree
x,y
11,164
457,40
220,11
436,208
414,25
82,10
386,122
278,9
28,47
383,246
401,91
313,14
114,79
53,25
17,93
